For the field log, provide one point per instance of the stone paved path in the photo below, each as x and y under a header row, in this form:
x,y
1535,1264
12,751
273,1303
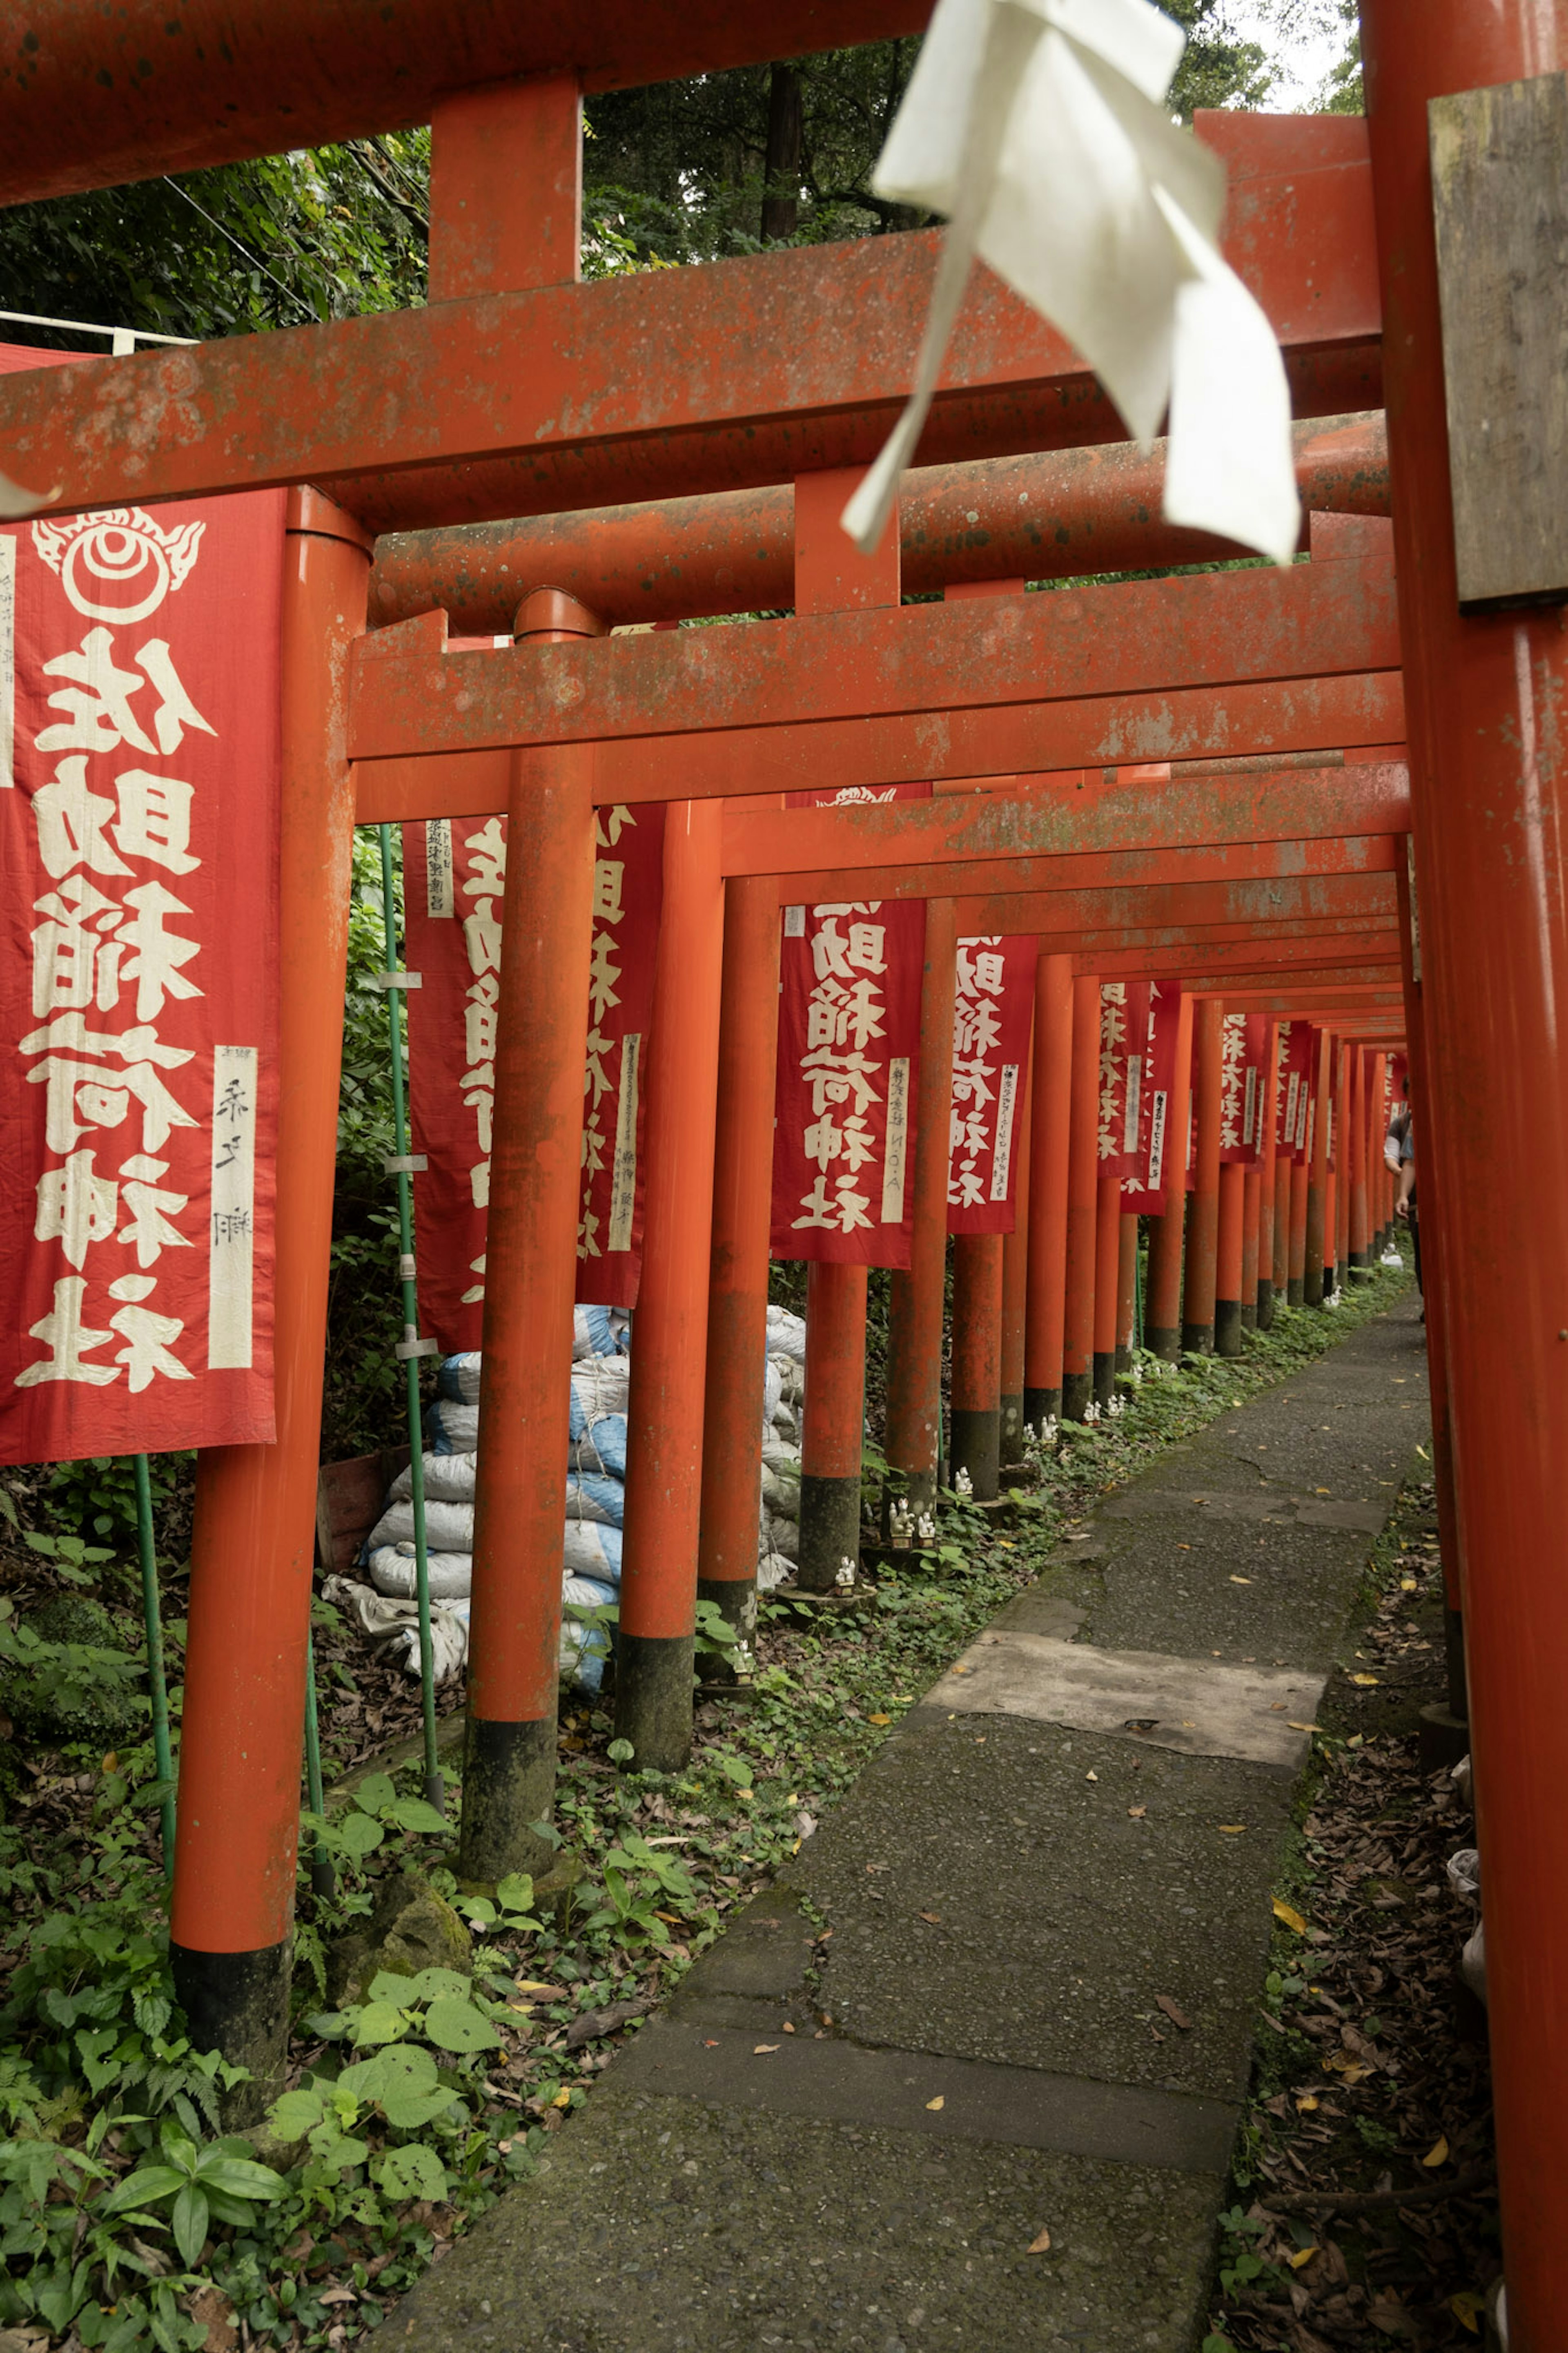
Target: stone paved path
x,y
1082,1817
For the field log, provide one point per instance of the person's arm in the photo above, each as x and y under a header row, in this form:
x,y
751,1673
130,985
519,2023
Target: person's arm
x,y
1406,1186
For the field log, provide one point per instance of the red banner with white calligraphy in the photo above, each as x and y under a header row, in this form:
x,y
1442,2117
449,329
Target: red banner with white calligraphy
x,y
454,883
1244,1042
1123,1047
138,799
1143,1192
1296,1065
993,1015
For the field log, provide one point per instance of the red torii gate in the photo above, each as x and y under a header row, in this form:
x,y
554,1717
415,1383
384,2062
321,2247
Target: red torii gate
x,y
497,403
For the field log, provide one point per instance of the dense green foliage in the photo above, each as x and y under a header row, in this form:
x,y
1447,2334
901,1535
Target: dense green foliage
x,y
678,172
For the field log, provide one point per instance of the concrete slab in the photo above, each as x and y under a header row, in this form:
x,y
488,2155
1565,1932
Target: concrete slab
x,y
671,2226
991,1899
1194,1705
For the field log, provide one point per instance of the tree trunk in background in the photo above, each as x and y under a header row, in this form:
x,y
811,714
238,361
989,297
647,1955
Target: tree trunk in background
x,y
780,198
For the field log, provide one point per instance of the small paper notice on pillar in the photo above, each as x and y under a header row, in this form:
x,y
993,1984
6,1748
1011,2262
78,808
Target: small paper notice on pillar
x,y
231,1244
1042,129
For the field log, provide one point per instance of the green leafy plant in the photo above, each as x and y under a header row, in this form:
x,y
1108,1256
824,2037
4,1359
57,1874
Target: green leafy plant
x,y
511,1913
374,1809
201,2183
636,1877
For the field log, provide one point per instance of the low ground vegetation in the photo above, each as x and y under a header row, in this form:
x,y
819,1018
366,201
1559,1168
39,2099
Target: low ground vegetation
x,y
428,2068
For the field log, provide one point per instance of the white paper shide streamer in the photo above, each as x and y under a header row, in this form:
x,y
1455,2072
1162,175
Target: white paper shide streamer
x,y
1041,129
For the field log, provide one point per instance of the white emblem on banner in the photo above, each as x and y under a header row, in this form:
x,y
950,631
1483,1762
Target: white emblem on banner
x,y
232,1243
794,922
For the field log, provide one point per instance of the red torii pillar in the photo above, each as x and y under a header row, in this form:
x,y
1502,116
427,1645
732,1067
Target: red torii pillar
x,y
1267,1181
1163,1306
1083,1157
738,1267
1049,1116
1016,1284
831,576
916,1294
1203,1219
253,1546
1315,1256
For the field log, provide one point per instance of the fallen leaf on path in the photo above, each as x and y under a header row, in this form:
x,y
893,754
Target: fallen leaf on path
x,y
1241,1580
1307,2103
1289,1913
938,2103
1137,1812
1040,2246
1303,2255
1177,2018
1365,1681
1233,1830
1294,1727
1438,2152
1467,2310
879,1719
759,2048
935,1918
1091,1777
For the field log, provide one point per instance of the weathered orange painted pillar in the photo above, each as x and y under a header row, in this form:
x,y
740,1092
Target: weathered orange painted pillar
x,y
831,576
1268,1180
531,1265
736,1367
914,1323
1229,1250
1049,1116
975,1442
1339,1224
1127,1293
1317,1240
1083,1170
833,1426
1251,1219
1300,1180
1107,1285
664,1411
1358,1253
1162,1308
1015,1289
1203,1221
253,1540
1489,782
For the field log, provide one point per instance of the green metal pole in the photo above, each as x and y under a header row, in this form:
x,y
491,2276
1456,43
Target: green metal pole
x,y
323,1879
412,1347
153,1619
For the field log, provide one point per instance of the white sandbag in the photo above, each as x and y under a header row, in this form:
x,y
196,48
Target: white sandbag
x,y
600,1331
783,1536
459,1378
392,1571
395,1625
773,1392
583,1595
581,1654
591,1497
448,1479
600,1384
449,1527
781,1490
599,1448
1473,1962
452,1428
773,1570
786,1334
593,1550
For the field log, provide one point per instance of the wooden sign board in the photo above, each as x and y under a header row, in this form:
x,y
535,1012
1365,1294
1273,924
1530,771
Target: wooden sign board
x,y
1500,185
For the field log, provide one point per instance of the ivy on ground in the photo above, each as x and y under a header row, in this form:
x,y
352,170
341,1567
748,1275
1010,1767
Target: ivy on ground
x,y
128,2217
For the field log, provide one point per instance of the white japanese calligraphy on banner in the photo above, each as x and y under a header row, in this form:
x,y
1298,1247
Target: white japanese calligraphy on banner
x,y
993,1013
